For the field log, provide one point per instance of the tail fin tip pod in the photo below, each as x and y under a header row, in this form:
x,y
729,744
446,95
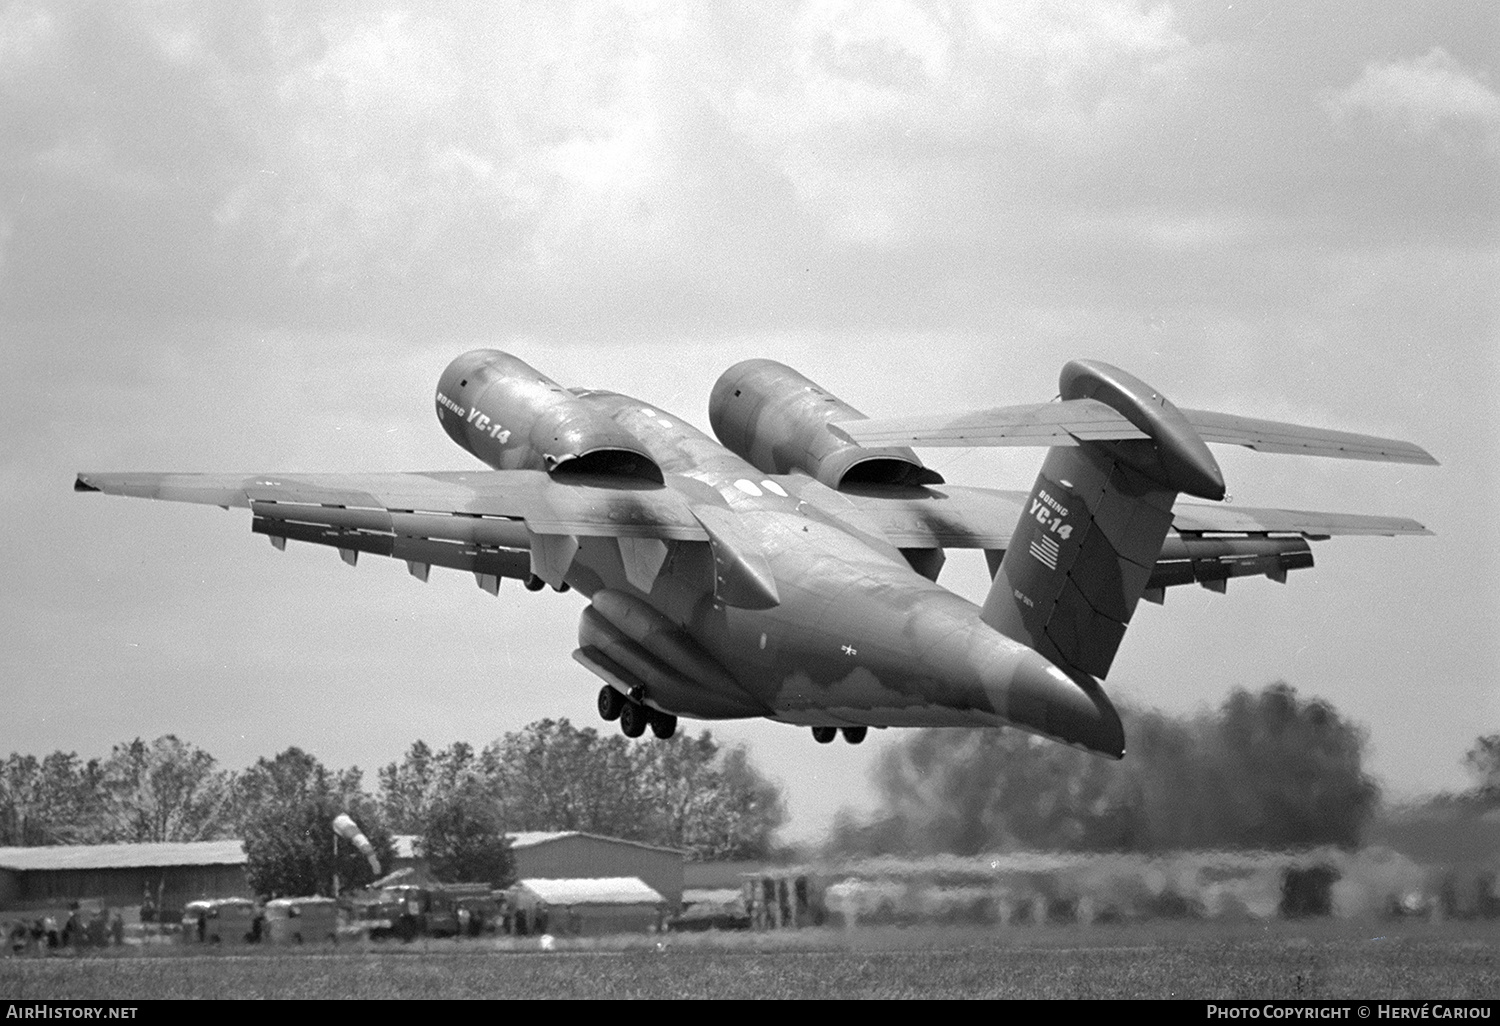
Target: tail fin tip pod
x,y
1092,530
1174,454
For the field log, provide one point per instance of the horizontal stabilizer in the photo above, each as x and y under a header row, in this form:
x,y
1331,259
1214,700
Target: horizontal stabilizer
x,y
1274,436
1061,423
1076,421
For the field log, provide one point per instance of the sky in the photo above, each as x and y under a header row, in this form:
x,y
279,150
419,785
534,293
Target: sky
x,y
248,237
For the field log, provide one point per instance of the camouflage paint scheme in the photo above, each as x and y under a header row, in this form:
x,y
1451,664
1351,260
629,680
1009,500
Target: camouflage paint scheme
x,y
790,572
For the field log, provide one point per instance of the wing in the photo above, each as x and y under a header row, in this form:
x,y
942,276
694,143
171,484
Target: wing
x,y
515,523
1195,518
1207,544
941,517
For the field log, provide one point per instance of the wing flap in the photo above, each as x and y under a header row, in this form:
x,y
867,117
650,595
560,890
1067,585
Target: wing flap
x,y
421,552
1211,562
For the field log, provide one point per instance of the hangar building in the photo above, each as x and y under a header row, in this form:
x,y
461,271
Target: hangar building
x,y
121,875
173,874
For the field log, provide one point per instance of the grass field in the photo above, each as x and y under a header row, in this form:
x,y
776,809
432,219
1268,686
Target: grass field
x,y
1190,960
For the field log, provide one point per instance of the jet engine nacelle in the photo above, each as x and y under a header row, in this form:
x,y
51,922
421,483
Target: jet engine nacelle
x,y
514,417
780,421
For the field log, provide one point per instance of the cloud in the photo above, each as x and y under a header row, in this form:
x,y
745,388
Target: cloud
x,y
25,34
590,169
894,123
1429,96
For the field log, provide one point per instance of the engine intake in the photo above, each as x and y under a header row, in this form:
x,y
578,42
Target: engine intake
x,y
779,420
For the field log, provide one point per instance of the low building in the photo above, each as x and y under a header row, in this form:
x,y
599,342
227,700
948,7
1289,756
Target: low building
x,y
575,855
125,876
162,878
586,908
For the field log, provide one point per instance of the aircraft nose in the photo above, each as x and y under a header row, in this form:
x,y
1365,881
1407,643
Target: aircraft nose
x,y
1044,698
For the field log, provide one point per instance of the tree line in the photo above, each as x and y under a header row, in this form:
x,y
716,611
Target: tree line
x,y
1268,769
689,793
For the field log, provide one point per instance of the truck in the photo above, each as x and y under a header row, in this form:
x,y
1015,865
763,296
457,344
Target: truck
x,y
221,921
306,920
406,911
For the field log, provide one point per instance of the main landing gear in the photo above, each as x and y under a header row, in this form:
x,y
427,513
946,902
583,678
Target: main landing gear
x,y
635,717
853,735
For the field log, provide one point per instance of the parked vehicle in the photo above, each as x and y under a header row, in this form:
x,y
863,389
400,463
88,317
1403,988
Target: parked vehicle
x,y
309,920
221,921
407,911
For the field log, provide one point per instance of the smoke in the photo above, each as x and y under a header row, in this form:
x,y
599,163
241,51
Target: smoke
x,y
1266,771
1039,887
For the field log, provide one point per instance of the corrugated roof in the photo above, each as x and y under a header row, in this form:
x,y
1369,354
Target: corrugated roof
x,y
609,890
406,843
123,856
531,838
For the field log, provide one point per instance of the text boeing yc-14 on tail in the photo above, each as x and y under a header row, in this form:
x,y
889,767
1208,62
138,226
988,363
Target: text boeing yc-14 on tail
x,y
788,570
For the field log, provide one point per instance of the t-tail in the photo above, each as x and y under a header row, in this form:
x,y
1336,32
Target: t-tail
x,y
1092,530
1089,544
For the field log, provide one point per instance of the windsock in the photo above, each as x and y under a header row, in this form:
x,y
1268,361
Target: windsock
x,y
349,831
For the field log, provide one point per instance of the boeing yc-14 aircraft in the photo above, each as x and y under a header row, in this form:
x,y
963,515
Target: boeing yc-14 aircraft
x,y
789,570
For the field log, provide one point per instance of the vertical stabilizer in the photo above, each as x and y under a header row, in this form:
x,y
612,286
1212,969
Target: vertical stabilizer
x,y
1093,527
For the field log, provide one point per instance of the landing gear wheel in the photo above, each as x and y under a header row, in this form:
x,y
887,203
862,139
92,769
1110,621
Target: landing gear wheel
x,y
663,725
610,703
823,735
535,583
854,735
633,719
